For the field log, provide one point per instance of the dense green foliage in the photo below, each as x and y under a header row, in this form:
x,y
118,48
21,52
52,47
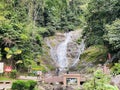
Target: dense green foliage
x,y
13,74
99,13
24,85
113,34
17,33
24,24
102,24
116,69
94,53
100,81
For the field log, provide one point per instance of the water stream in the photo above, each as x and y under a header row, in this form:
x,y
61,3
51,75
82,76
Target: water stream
x,y
67,52
62,52
80,51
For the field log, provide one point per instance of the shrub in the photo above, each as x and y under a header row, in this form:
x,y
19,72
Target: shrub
x,y
116,69
51,30
20,85
31,84
71,27
13,74
24,85
100,81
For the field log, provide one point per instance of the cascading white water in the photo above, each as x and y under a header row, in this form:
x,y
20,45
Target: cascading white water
x,y
64,49
80,51
62,52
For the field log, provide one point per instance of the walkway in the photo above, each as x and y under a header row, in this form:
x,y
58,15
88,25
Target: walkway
x,y
49,78
54,79
28,78
5,85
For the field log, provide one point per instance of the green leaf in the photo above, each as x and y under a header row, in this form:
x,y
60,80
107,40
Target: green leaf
x,y
19,61
18,51
6,49
8,56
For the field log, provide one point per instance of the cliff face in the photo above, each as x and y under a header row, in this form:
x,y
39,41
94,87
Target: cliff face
x,y
64,49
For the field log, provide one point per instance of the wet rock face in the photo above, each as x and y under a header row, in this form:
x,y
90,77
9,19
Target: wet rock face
x,y
54,41
72,52
70,48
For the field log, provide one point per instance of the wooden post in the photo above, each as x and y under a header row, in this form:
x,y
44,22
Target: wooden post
x,y
78,81
64,81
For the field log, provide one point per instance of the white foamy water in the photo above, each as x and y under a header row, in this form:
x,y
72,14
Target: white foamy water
x,y
80,51
62,52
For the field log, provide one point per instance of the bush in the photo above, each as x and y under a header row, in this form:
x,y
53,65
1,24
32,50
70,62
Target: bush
x,y
70,27
32,84
20,85
24,85
51,30
116,69
100,81
13,74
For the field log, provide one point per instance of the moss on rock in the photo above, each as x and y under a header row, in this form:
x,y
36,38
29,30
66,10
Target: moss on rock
x,y
94,53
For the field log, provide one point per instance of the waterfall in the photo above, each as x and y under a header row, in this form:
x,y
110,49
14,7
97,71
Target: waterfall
x,y
52,51
62,52
80,51
64,49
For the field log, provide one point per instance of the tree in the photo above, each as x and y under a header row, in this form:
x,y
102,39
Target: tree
x,y
99,13
24,24
112,34
100,81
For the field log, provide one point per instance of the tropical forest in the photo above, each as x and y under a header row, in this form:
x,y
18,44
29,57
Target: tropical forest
x,y
59,44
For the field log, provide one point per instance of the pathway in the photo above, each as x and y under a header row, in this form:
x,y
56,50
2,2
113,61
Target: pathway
x,y
54,79
28,78
5,85
49,78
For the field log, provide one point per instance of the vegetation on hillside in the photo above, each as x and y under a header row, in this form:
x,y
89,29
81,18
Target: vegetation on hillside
x,y
103,25
95,53
25,23
100,81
